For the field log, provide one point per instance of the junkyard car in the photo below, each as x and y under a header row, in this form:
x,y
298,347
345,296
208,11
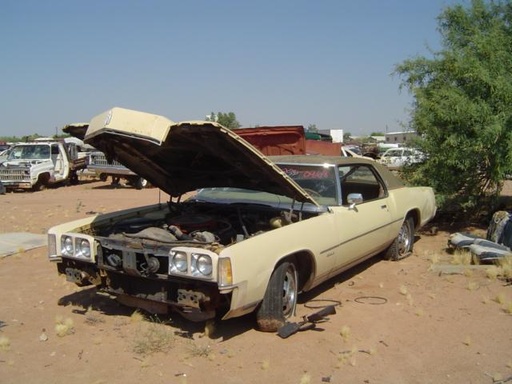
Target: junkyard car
x,y
258,231
396,158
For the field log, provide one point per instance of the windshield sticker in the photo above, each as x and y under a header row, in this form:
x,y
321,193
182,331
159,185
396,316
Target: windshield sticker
x,y
317,173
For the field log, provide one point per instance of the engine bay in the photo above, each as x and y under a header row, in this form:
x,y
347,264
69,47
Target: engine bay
x,y
200,224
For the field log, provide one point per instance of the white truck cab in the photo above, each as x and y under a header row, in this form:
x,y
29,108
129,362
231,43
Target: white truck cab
x,y
36,165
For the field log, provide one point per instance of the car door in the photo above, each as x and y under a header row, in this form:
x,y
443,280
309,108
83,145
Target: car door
x,y
364,227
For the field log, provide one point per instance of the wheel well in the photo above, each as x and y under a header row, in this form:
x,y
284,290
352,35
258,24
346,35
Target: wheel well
x,y
43,177
303,261
415,214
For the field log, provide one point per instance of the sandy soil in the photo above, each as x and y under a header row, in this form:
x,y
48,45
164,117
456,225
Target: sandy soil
x,y
397,322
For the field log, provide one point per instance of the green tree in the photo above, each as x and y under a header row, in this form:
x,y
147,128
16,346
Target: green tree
x,y
228,120
462,106
312,128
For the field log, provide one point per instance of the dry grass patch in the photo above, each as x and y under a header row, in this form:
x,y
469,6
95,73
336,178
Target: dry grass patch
x,y
5,343
345,333
462,257
197,349
152,337
64,326
505,268
92,317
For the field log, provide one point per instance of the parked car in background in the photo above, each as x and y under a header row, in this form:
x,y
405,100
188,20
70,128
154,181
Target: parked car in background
x,y
257,231
396,158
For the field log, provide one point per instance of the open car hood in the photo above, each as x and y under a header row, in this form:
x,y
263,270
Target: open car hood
x,y
185,156
77,130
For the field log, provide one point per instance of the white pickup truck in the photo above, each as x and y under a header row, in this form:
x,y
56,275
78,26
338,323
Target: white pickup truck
x,y
39,164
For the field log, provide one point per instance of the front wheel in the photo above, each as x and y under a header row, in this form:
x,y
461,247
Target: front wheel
x,y
41,183
280,298
403,244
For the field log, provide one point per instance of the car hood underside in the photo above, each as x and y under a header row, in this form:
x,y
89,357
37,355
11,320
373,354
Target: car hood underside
x,y
185,156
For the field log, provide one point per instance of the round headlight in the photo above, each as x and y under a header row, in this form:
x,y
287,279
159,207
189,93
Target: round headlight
x,y
67,245
180,261
204,265
84,247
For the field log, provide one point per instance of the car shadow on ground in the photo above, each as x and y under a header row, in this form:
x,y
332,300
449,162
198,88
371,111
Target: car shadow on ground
x,y
315,293
89,299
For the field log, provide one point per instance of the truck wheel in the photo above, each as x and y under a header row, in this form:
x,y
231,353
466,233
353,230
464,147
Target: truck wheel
x,y
103,177
73,178
403,244
280,298
140,183
41,183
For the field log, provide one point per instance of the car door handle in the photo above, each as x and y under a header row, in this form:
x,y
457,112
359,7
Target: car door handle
x,y
383,206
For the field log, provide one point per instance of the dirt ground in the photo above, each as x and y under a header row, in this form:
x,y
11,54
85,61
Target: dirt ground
x,y
397,322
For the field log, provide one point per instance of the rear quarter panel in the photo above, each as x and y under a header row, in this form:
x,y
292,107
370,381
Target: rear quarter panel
x,y
419,200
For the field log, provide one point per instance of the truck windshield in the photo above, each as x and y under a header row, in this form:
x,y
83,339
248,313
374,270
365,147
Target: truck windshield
x,y
40,152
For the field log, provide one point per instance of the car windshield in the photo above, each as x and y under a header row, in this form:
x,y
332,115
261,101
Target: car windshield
x,y
317,180
29,152
393,153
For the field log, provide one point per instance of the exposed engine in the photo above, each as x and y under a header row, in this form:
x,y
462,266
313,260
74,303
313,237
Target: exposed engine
x,y
202,224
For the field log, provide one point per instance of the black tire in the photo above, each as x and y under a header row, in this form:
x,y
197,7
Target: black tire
x,y
41,183
103,177
73,178
403,245
140,183
280,298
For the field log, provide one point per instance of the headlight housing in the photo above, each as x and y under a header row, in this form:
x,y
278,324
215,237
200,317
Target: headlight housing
x,y
178,262
76,246
66,246
83,248
201,265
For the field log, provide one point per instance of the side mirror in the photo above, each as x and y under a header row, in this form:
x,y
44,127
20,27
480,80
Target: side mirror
x,y
354,198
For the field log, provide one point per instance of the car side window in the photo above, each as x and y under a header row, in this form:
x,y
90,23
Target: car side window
x,y
360,179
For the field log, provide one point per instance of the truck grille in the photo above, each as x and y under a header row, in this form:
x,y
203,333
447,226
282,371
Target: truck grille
x,y
101,160
12,174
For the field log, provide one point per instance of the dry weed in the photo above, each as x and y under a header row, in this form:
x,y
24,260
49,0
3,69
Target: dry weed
x,y
152,338
462,257
473,286
137,317
305,379
64,326
345,333
500,298
198,350
5,343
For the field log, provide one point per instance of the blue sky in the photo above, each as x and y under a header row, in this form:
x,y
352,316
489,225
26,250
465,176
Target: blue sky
x,y
324,62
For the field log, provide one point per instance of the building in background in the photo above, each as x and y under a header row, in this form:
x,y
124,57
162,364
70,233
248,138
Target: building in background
x,y
400,137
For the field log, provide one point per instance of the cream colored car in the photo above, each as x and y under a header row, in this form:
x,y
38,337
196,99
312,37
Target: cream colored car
x,y
257,232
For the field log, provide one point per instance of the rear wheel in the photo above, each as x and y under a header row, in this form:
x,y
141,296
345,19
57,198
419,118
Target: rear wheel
x,y
141,183
280,298
73,178
403,244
